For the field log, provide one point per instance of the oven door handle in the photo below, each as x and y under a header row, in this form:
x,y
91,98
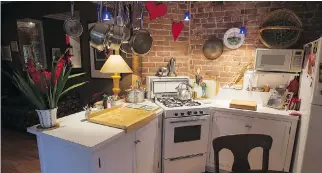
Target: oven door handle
x,y
184,121
186,157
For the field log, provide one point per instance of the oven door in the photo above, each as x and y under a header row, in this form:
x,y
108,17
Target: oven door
x,y
185,136
273,60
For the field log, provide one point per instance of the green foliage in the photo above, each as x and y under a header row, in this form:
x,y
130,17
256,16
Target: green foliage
x,y
47,95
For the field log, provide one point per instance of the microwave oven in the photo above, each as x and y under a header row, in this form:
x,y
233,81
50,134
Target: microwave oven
x,y
280,60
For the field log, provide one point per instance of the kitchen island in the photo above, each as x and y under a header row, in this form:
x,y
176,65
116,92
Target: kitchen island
x,y
84,147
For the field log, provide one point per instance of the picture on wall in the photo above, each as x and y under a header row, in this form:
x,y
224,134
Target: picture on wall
x,y
76,57
6,53
55,53
14,46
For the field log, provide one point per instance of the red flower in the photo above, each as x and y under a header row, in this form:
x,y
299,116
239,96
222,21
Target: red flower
x,y
31,66
35,75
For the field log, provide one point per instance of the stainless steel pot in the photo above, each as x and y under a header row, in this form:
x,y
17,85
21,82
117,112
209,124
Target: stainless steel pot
x,y
183,93
134,95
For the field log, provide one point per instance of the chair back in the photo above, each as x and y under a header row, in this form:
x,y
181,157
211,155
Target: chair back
x,y
240,146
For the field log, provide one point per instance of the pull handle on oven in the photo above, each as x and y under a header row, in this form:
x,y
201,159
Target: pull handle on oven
x,y
186,157
191,120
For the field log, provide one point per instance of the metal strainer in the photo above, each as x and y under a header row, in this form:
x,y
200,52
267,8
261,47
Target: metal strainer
x,y
72,26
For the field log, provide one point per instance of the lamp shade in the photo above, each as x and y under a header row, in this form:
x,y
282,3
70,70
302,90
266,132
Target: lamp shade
x,y
115,64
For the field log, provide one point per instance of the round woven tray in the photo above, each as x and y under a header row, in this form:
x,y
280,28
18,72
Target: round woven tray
x,y
280,29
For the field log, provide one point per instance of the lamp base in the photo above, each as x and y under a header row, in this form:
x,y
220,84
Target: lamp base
x,y
116,83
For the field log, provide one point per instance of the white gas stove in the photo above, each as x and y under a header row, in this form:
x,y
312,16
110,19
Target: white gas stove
x,y
173,107
185,126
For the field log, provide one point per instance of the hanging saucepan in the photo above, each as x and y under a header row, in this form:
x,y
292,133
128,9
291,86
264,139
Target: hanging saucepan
x,y
141,41
119,33
213,48
125,45
73,27
99,32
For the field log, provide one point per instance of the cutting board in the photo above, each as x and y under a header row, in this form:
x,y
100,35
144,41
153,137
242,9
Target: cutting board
x,y
243,104
128,119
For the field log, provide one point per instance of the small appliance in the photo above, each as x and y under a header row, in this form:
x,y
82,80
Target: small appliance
x,y
281,60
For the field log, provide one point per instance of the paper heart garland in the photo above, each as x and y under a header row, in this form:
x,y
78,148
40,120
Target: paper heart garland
x,y
176,29
155,10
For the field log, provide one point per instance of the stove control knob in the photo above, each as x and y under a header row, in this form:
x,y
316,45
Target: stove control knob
x,y
201,112
175,114
182,113
195,112
189,112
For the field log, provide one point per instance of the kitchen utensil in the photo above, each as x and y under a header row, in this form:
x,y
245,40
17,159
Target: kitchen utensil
x,y
120,117
212,48
141,41
172,67
163,71
280,29
198,76
72,26
183,93
125,45
243,104
99,32
135,95
119,18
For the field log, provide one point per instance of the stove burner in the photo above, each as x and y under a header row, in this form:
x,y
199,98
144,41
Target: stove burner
x,y
175,102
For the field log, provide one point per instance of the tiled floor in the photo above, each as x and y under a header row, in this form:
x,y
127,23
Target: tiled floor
x,y
19,153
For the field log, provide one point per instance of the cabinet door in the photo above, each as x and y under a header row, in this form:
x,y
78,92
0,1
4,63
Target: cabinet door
x,y
145,148
279,131
117,156
226,124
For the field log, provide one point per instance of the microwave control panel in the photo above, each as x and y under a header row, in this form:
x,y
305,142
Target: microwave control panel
x,y
297,60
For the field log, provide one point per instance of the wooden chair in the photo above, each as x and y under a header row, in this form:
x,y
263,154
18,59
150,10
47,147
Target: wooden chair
x,y
240,146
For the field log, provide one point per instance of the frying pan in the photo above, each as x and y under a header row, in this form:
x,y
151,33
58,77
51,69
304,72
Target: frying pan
x,y
141,41
212,48
73,27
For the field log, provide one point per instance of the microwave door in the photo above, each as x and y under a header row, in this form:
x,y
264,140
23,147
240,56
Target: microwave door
x,y
273,60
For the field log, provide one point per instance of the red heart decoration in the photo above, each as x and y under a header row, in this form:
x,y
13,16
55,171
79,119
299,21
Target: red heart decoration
x,y
155,10
176,29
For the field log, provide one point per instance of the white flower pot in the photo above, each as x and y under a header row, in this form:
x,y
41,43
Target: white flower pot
x,y
48,117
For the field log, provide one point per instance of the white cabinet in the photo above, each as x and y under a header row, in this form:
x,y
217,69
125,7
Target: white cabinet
x,y
223,125
145,148
282,132
133,153
279,131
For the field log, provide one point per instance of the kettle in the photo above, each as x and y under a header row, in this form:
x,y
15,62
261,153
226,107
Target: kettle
x,y
183,93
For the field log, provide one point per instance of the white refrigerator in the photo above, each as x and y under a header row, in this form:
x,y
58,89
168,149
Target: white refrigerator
x,y
308,157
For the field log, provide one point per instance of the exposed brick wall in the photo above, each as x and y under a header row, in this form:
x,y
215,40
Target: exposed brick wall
x,y
209,19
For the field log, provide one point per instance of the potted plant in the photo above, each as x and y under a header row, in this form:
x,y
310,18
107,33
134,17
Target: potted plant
x,y
44,89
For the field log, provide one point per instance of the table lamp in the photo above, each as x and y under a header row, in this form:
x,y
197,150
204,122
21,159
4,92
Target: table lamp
x,y
115,64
